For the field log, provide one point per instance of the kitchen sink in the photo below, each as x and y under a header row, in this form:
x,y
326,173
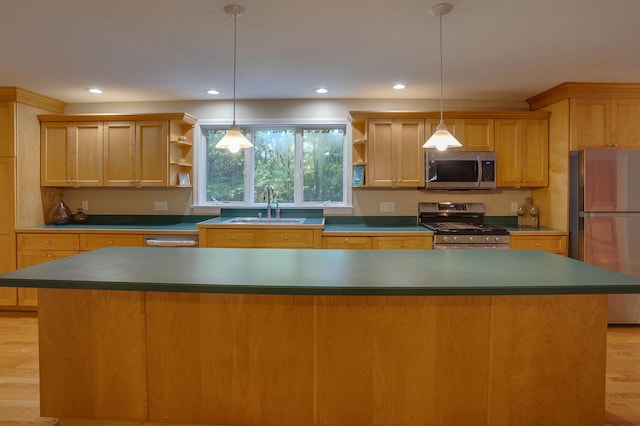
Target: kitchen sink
x,y
265,221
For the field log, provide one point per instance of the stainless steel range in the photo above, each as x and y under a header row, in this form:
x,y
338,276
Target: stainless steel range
x,y
461,226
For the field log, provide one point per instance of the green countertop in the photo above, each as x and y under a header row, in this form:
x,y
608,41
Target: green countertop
x,y
324,272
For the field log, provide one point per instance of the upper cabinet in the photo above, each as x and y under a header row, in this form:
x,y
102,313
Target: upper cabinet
x,y
475,134
600,115
71,154
387,146
395,157
141,150
522,153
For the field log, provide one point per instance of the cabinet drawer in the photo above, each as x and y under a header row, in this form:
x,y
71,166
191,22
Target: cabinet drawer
x,y
36,257
357,243
401,243
48,242
291,238
96,241
231,238
551,243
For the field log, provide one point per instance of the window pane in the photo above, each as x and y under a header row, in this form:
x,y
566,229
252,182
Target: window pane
x,y
323,164
225,171
274,157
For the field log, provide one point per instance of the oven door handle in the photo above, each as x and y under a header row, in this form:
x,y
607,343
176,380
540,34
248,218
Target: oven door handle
x,y
479,177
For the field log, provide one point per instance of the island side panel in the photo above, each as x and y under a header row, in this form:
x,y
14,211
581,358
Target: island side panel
x,y
230,359
548,360
92,354
403,360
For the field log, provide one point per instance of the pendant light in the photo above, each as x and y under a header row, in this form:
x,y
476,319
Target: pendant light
x,y
441,138
233,140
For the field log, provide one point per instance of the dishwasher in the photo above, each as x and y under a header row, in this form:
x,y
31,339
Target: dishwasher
x,y
171,240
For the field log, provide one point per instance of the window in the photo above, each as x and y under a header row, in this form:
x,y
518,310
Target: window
x,y
305,166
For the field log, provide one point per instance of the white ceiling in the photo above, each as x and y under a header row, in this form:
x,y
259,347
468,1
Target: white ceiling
x,y
150,50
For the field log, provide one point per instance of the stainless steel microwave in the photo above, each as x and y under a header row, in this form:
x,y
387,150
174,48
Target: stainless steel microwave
x,y
460,170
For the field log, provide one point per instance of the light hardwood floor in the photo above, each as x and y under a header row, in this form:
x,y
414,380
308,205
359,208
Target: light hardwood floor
x,y
19,393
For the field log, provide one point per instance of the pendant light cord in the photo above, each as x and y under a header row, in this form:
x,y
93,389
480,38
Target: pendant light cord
x,y
235,50
441,91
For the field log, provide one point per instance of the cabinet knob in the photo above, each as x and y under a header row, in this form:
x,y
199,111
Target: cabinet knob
x,y
110,242
286,237
346,240
402,245
538,245
47,241
233,237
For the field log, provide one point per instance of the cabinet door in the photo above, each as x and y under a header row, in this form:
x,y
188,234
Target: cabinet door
x,y
535,153
551,243
401,243
381,167
508,155
395,153
349,242
96,241
88,152
119,153
55,140
288,238
409,164
7,129
589,123
151,153
475,134
626,123
242,238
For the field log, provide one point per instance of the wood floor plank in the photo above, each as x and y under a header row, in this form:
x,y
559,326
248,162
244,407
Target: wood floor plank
x,y
19,391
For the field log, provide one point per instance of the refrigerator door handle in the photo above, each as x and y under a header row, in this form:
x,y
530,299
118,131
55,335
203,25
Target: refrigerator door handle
x,y
609,214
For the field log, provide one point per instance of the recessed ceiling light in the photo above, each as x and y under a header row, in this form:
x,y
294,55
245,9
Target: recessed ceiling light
x,y
399,86
322,90
94,90
213,92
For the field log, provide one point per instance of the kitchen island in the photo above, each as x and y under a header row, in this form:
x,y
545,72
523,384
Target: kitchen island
x,y
322,337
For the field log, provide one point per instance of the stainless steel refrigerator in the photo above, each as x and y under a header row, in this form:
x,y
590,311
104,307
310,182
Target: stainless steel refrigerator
x,y
604,219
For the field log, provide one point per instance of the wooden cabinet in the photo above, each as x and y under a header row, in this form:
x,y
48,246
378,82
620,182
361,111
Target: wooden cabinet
x,y
136,153
7,128
377,242
346,242
8,295
604,123
239,237
134,150
522,150
475,134
95,241
395,157
551,243
71,154
401,243
34,249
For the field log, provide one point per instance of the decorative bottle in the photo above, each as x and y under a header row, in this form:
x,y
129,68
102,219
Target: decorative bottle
x,y
80,217
60,214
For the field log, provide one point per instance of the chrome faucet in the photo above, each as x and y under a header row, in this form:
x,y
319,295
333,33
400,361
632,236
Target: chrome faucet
x,y
266,196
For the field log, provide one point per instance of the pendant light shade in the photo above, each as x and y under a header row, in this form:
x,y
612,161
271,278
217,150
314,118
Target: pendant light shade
x,y
441,138
233,140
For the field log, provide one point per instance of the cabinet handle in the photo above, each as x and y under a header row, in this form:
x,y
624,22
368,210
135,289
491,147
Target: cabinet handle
x,y
47,241
538,245
110,242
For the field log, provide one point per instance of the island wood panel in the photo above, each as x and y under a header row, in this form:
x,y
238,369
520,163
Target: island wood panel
x,y
92,354
548,360
402,360
230,359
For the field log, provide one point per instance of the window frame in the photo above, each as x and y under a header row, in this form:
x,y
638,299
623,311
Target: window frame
x,y
201,205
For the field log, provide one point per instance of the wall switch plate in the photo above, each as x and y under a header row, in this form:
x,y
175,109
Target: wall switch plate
x,y
160,206
84,205
387,207
514,207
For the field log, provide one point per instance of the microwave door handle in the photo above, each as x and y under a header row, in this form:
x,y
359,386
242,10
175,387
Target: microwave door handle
x,y
479,178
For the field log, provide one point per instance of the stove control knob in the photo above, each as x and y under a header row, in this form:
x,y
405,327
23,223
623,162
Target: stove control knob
x,y
445,238
487,239
472,239
498,239
456,239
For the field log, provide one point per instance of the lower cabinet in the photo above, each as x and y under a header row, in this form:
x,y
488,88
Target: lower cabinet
x,y
260,238
552,243
34,249
391,242
96,241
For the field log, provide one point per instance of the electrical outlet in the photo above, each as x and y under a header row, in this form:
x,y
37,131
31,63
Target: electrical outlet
x,y
84,205
514,207
387,207
160,206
